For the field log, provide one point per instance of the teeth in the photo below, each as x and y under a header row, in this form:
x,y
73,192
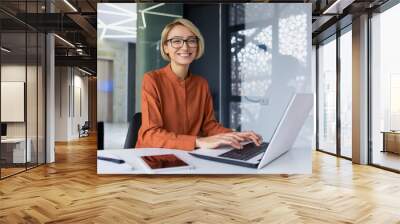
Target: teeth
x,y
184,55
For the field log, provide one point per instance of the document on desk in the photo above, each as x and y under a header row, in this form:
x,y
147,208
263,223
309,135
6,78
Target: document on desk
x,y
114,167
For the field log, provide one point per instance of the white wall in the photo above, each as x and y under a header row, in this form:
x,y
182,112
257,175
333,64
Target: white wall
x,y
12,73
79,117
70,83
117,53
61,103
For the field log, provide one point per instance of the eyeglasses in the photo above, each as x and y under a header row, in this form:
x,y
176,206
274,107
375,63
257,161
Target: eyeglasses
x,y
191,42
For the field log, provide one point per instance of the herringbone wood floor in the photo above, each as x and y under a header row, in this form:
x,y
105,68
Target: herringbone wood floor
x,y
70,191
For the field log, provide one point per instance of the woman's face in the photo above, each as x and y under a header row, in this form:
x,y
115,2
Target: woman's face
x,y
181,45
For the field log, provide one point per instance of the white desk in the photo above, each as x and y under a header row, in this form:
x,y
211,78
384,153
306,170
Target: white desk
x,y
296,161
18,151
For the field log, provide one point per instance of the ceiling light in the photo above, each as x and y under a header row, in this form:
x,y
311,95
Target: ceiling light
x,y
65,41
338,6
70,5
123,27
5,50
84,71
329,9
147,11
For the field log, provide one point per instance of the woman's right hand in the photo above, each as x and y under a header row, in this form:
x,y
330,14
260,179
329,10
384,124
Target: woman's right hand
x,y
216,141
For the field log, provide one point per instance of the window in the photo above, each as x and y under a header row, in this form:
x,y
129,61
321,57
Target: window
x,y
327,95
346,92
385,88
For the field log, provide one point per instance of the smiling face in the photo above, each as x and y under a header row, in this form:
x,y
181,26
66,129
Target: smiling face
x,y
185,54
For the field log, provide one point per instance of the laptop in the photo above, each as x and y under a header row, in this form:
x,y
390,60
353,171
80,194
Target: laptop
x,y
281,142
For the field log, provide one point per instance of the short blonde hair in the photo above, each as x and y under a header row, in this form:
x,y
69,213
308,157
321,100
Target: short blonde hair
x,y
186,23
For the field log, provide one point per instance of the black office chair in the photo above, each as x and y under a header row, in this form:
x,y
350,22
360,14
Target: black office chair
x,y
100,135
84,129
86,126
133,130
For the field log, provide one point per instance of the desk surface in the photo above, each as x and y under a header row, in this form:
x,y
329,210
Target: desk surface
x,y
13,140
391,132
296,161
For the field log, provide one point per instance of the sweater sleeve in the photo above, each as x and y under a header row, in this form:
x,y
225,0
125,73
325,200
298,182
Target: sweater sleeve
x,y
210,125
151,132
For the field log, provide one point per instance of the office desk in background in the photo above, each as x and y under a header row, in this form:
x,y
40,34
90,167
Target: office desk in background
x,y
296,161
391,141
13,150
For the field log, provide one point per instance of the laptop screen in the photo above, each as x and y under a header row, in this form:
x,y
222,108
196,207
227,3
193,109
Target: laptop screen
x,y
266,117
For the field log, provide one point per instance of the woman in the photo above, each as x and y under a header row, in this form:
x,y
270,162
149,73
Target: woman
x,y
177,108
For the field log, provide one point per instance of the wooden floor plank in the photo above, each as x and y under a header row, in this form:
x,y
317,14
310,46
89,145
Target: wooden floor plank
x,y
70,191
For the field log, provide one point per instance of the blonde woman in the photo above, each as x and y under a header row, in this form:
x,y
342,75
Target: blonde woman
x,y
177,108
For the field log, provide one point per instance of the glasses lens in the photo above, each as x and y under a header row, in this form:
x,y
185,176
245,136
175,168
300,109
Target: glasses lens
x,y
176,42
192,42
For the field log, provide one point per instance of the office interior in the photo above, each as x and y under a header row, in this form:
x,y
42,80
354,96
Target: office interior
x,y
39,108
59,79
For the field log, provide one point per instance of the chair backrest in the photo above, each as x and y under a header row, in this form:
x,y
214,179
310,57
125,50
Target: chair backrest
x,y
100,135
86,125
133,130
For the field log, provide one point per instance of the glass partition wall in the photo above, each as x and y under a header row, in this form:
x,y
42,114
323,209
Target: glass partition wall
x,y
269,62
334,71
22,88
13,86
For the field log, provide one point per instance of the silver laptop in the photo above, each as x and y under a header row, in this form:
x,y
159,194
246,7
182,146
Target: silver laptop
x,y
282,140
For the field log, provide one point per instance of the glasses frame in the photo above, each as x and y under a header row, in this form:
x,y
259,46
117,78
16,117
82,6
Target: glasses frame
x,y
184,41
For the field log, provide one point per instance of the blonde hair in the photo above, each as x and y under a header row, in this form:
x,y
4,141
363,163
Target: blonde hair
x,y
186,23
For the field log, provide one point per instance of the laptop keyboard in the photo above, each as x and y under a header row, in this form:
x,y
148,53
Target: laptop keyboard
x,y
249,151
